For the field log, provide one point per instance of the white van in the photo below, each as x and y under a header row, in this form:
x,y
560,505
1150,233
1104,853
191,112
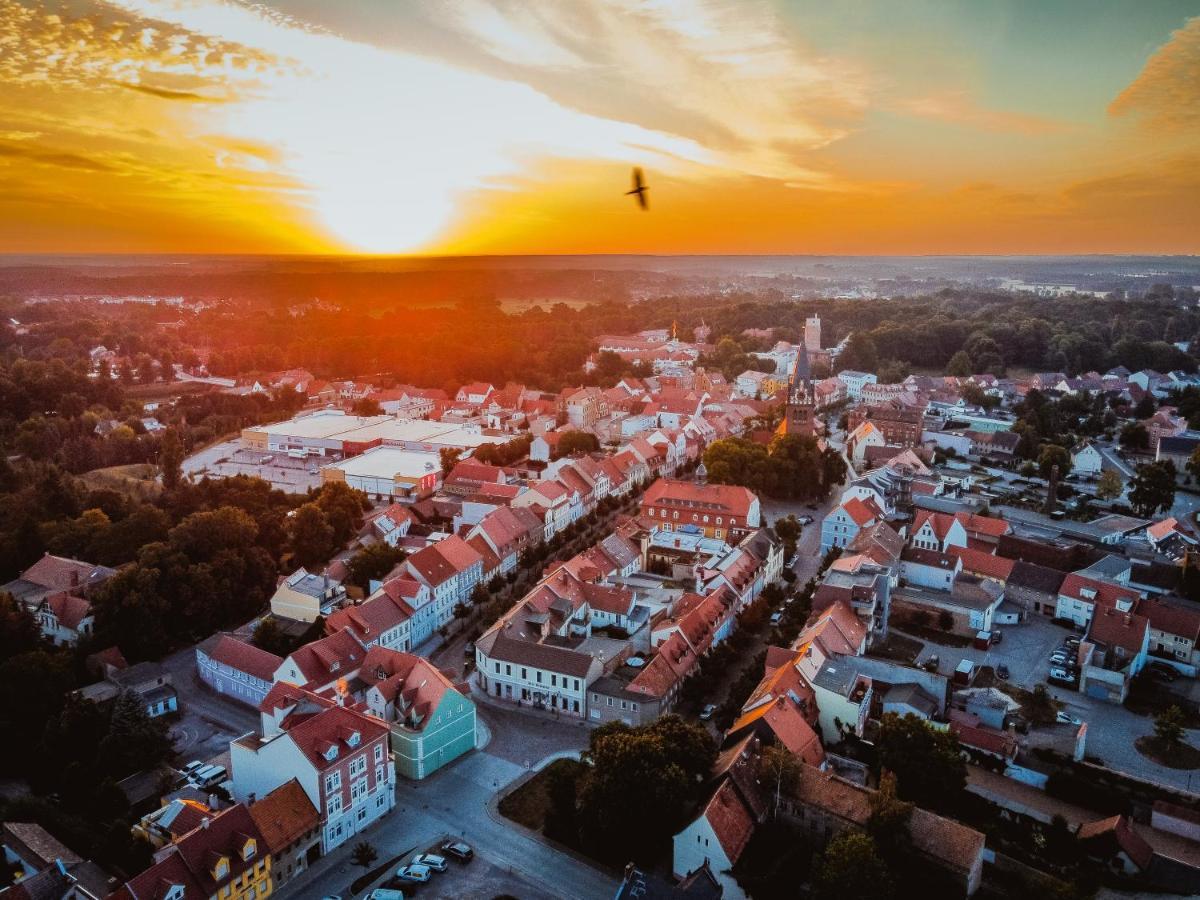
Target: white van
x,y
209,776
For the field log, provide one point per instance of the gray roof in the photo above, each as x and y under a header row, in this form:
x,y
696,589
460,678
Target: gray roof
x,y
911,695
1110,567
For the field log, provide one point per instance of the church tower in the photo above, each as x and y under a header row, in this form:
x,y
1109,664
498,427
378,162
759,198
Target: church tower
x,y
802,402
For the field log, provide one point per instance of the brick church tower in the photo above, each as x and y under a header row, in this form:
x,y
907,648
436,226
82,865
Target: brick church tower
x,y
801,414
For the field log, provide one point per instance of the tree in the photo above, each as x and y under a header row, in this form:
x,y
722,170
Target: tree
x,y
888,824
959,365
372,563
1153,488
851,869
134,740
1041,708
1135,436
780,772
270,637
19,632
343,507
1110,486
859,354
170,458
310,536
572,442
366,406
448,458
363,854
927,763
1168,727
1053,455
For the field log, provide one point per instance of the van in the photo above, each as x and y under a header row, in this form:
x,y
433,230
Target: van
x,y
385,894
298,454
209,776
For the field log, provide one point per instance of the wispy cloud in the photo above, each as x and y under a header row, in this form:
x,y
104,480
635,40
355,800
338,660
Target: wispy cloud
x,y
1166,92
960,108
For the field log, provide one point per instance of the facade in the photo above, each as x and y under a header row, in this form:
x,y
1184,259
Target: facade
x,y
721,511
901,425
1086,459
303,596
337,753
236,669
855,382
842,525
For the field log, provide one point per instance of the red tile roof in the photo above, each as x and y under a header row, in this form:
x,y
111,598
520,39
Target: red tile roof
x,y
979,562
229,651
404,677
69,610
730,820
1107,594
284,815
727,498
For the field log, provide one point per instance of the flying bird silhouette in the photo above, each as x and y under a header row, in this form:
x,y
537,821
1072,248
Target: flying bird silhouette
x,y
639,188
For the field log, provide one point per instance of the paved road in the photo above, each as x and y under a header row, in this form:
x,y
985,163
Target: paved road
x,y
1114,462
454,801
207,721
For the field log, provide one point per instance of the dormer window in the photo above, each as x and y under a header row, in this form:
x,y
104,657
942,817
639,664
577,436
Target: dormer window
x,y
249,849
354,739
334,666
330,752
174,892
221,869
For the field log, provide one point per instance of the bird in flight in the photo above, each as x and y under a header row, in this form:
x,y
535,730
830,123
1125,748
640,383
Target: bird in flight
x,y
639,188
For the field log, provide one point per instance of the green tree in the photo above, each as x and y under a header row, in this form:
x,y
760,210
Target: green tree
x,y
1135,436
927,763
1110,486
780,772
448,458
170,458
859,354
134,740
366,406
1193,463
572,442
364,854
310,536
1041,707
19,632
1052,455
343,508
852,869
1168,727
269,636
372,563
1153,488
960,365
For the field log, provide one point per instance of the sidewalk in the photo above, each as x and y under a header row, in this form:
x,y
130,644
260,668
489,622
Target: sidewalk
x,y
525,709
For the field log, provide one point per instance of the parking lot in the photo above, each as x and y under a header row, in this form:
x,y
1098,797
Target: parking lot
x,y
1025,649
476,879
293,476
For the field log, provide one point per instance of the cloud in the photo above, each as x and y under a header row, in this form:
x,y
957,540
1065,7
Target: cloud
x,y
50,157
167,94
958,107
1166,93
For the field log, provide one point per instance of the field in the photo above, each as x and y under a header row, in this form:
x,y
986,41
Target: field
x,y
138,481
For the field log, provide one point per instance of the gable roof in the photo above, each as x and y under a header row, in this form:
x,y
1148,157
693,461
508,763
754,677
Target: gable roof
x,y
284,815
228,650
729,819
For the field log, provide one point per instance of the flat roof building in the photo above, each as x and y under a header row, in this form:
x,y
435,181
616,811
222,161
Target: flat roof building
x,y
388,473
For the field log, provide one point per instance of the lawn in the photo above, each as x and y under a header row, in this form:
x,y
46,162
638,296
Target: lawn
x,y
529,804
1180,756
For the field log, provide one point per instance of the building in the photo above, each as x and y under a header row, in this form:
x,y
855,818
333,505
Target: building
x,y
1080,596
337,752
431,722
812,333
152,683
845,522
1086,459
388,473
855,382
291,828
824,805
236,669
1113,653
901,425
719,510
800,414
226,857
53,575
303,596
450,569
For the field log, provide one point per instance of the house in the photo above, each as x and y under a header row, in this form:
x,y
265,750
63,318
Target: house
x,y
1080,596
937,531
475,393
56,575
824,805
384,619
226,856
1033,588
1174,630
843,524
719,510
337,752
303,596
431,723
321,664
717,837
152,683
393,523
855,382
1176,448
450,569
44,867
1086,459
1113,653
291,829
862,439
64,618
971,604
929,568
236,669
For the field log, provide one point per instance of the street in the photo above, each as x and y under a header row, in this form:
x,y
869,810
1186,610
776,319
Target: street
x,y
207,721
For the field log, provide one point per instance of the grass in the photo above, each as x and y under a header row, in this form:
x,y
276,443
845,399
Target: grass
x,y
1179,756
162,390
529,804
137,480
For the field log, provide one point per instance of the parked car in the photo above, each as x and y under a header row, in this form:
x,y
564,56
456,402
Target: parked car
x,y
413,872
707,712
191,768
1072,642
435,862
1002,672
792,560
931,664
776,618
1060,657
997,636
805,520
1066,719
459,850
1062,674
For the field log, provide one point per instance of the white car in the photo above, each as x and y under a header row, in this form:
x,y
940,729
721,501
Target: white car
x,y
432,860
1066,719
413,872
707,712
776,618
1061,675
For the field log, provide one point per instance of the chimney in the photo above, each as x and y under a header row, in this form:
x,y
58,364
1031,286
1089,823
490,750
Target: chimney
x,y
204,823
1051,492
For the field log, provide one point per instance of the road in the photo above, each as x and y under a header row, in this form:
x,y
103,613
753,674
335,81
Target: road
x,y
457,801
1114,461
207,721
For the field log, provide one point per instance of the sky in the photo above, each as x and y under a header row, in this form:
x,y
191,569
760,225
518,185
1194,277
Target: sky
x,y
497,127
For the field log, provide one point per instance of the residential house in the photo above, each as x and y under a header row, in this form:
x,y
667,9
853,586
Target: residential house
x,y
226,857
321,664
450,569
304,597
1086,459
719,510
431,723
64,618
1174,630
855,382
291,828
1080,596
393,523
844,523
56,575
236,669
337,752
384,619
929,568
1113,653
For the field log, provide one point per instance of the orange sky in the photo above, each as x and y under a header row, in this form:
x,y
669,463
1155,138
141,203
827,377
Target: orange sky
x,y
471,126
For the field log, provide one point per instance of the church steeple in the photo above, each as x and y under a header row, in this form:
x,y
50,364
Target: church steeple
x,y
801,401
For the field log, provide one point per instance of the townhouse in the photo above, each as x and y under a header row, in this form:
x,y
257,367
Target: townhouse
x,y
1080,596
384,619
450,569
337,752
236,669
719,510
844,523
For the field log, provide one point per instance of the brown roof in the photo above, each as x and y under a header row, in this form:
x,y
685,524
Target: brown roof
x,y
284,815
730,820
228,650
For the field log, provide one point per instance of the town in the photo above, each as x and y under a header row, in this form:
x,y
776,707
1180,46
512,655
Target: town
x,y
841,624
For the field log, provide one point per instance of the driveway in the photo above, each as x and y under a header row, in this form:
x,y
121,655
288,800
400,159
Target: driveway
x,y
1026,650
455,801
229,458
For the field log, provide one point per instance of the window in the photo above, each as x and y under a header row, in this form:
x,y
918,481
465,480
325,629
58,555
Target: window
x,y
553,680
524,674
497,665
362,813
576,684
333,806
380,777
358,790
358,765
333,782
507,669
379,753
539,677
610,701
